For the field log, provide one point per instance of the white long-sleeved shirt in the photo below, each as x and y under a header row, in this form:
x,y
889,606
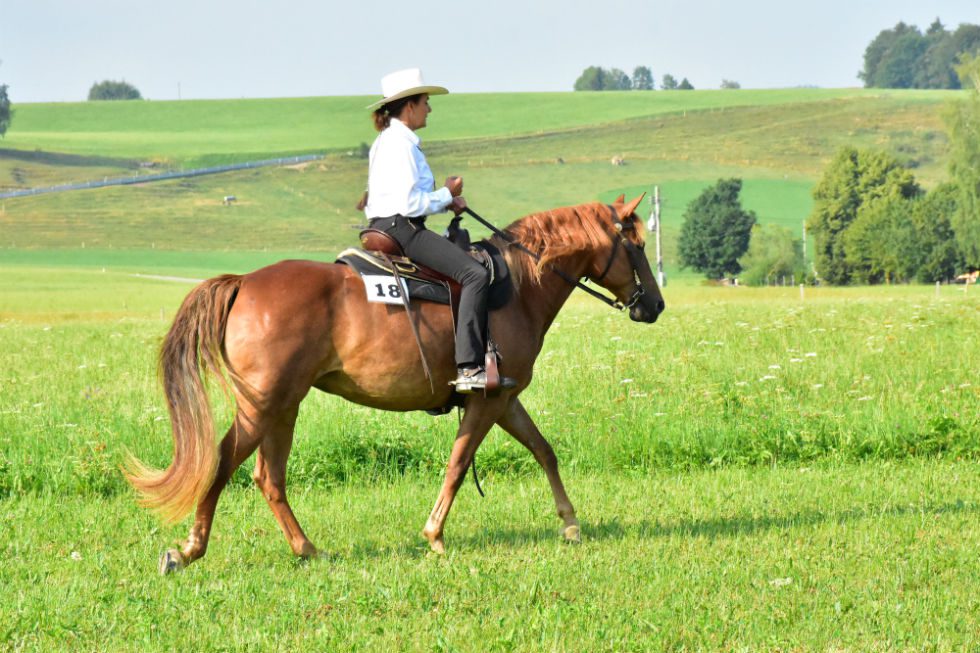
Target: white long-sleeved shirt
x,y
400,181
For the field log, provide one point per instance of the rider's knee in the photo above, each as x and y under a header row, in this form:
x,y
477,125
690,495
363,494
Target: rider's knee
x,y
477,276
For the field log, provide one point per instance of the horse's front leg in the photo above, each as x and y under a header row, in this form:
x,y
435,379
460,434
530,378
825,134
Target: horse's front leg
x,y
519,424
479,416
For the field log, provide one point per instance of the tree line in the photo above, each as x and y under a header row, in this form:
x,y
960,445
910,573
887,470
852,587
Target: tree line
x,y
597,78
871,221
905,57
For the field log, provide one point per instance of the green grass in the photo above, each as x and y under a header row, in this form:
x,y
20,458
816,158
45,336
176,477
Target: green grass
x,y
779,150
753,472
865,557
726,377
189,129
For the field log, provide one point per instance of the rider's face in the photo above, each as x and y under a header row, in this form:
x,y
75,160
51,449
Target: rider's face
x,y
415,113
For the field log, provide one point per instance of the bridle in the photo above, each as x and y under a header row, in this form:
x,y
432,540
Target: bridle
x,y
633,252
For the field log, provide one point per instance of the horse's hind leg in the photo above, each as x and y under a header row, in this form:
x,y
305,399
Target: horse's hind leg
x,y
519,424
237,445
270,476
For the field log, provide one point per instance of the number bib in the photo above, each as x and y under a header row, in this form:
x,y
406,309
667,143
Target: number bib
x,y
384,289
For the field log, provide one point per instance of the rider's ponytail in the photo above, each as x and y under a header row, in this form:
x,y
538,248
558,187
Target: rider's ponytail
x,y
382,116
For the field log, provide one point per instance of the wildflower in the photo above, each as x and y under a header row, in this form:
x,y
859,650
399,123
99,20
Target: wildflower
x,y
811,354
75,555
775,367
767,377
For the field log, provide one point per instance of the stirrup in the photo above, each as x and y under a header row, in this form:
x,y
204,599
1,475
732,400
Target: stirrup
x,y
472,382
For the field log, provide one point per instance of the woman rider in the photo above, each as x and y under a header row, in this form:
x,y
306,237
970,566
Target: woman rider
x,y
401,194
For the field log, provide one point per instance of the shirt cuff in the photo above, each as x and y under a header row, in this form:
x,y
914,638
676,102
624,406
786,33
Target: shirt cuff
x,y
444,198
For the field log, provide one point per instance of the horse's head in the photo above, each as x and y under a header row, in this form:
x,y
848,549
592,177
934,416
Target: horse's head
x,y
622,267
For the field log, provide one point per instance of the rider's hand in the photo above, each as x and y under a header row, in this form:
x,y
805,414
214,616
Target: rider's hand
x,y
455,186
363,202
457,205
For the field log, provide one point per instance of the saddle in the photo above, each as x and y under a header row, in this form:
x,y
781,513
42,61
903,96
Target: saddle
x,y
382,257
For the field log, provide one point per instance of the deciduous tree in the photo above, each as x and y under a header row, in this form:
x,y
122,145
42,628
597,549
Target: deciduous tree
x,y
773,254
668,83
963,126
642,79
716,230
852,180
110,90
5,111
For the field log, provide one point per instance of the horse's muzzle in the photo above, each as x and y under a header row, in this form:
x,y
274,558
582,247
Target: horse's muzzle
x,y
647,311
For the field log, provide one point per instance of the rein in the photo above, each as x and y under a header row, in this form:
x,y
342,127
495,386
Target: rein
x,y
631,250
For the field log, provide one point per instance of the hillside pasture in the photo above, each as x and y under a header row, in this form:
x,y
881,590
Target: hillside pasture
x,y
759,470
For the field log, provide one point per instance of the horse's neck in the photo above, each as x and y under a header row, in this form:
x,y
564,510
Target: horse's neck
x,y
542,299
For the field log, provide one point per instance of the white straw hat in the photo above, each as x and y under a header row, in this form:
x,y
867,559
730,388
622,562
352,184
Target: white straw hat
x,y
403,83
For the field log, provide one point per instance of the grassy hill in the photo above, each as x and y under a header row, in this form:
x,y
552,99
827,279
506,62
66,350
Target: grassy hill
x,y
519,153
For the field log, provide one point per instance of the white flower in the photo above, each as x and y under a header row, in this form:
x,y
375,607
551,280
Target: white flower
x,y
864,398
780,582
75,555
626,381
767,377
775,367
796,360
810,354
817,386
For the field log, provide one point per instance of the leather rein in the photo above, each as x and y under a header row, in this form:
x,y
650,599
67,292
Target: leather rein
x,y
634,253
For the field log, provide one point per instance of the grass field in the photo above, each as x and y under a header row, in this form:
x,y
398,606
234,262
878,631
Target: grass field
x,y
756,471
752,472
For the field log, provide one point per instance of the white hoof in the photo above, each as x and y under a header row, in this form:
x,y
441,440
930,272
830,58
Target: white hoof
x,y
171,562
572,534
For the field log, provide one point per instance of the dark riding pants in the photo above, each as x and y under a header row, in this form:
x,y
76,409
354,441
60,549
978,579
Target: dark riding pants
x,y
428,248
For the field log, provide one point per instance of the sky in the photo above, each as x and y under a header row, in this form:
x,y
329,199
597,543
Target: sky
x,y
54,50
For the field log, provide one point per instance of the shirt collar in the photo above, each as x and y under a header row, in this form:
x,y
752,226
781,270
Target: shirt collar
x,y
402,129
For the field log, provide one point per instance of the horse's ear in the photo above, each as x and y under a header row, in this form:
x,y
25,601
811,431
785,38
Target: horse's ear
x,y
628,210
620,199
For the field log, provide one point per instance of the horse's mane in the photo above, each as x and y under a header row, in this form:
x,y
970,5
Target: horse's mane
x,y
554,234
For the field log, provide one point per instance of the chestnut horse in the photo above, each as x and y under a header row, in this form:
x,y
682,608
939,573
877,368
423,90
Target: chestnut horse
x,y
296,325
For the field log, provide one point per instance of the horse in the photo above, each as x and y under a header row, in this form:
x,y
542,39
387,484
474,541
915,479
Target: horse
x,y
272,335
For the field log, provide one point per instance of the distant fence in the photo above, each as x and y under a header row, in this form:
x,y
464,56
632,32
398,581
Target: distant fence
x,y
142,179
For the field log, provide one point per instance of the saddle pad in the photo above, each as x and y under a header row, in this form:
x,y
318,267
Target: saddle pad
x,y
368,263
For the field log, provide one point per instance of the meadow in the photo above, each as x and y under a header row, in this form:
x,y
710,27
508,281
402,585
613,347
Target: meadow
x,y
760,470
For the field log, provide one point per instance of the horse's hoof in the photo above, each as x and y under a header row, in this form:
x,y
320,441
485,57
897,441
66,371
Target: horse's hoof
x,y
572,534
171,562
437,547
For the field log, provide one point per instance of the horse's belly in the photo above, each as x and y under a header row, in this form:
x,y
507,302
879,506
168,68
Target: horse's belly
x,y
408,391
